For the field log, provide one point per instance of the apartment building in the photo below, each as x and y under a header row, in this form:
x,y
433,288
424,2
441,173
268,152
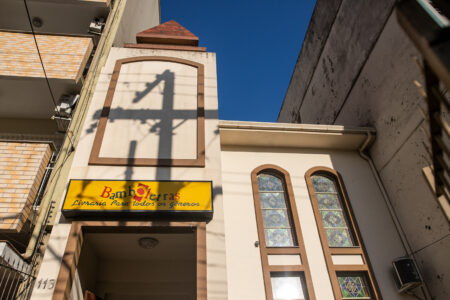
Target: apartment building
x,y
50,56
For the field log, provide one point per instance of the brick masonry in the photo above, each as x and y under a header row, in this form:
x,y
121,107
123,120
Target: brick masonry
x,y
22,167
64,57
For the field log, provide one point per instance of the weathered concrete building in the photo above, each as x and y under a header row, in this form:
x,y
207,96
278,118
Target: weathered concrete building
x,y
357,67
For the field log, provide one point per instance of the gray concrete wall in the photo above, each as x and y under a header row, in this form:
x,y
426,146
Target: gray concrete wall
x,y
354,31
323,18
365,77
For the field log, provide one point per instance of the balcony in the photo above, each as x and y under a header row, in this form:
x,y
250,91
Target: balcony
x,y
23,169
69,17
63,57
15,273
26,97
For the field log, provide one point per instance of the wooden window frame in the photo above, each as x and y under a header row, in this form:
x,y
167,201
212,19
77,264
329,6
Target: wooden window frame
x,y
74,244
266,251
199,161
358,249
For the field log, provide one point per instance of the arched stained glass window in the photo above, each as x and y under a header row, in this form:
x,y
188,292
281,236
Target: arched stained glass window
x,y
335,222
283,255
276,215
339,236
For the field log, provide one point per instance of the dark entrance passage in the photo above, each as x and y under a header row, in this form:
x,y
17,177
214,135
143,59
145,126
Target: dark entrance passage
x,y
137,266
122,260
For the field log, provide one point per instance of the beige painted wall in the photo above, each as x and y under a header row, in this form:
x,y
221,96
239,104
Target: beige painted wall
x,y
216,265
378,232
164,91
138,15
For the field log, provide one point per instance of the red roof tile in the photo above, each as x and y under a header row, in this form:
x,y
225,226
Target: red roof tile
x,y
169,33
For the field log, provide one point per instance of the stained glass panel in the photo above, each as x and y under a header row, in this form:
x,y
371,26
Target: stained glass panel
x,y
278,237
268,182
287,287
275,218
353,287
275,212
332,218
323,184
338,238
272,200
328,201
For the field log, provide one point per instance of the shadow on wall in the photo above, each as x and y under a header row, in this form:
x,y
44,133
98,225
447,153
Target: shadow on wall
x,y
159,122
162,125
373,221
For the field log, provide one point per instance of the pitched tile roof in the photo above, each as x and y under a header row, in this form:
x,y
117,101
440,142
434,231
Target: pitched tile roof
x,y
169,33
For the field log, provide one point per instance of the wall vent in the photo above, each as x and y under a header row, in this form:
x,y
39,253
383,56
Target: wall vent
x,y
406,274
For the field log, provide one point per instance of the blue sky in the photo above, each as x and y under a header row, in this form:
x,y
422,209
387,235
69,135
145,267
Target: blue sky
x,y
257,44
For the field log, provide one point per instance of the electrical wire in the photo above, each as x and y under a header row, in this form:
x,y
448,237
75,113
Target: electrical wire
x,y
39,53
43,69
432,243
83,109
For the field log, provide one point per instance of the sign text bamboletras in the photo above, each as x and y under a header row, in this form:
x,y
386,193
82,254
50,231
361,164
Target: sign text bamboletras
x,y
108,197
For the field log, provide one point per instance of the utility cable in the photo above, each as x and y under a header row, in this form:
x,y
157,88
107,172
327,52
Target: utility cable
x,y
432,243
43,68
39,53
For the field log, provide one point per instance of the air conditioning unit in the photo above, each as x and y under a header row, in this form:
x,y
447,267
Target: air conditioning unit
x,y
96,26
63,112
406,274
66,105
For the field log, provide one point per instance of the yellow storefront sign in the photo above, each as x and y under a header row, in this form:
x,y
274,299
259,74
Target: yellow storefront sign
x,y
137,196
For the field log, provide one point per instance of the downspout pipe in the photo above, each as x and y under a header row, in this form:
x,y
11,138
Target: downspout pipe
x,y
44,212
363,153
370,138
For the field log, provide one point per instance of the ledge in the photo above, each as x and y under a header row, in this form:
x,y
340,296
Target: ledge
x,y
286,135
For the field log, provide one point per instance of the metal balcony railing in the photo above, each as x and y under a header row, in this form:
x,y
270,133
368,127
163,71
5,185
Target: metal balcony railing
x,y
15,279
17,275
